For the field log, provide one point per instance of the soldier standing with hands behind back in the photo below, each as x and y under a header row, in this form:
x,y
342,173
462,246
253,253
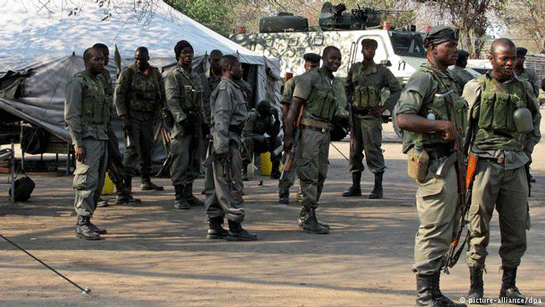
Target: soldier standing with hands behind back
x,y
87,116
184,91
364,85
432,116
139,95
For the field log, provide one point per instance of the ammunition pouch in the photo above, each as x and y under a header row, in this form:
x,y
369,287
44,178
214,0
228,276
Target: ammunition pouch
x,y
193,97
366,97
322,104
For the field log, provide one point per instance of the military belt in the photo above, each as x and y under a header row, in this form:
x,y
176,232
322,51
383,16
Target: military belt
x,y
361,111
316,124
236,129
438,150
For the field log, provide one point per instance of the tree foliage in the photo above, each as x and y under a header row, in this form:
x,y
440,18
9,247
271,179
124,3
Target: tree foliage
x,y
471,17
526,19
214,14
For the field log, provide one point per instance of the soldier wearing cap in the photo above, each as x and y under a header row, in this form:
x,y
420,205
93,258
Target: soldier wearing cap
x,y
525,73
432,116
504,127
318,93
364,86
139,95
459,72
312,60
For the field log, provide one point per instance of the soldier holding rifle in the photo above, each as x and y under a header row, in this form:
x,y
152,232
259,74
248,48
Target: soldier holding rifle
x,y
432,116
504,128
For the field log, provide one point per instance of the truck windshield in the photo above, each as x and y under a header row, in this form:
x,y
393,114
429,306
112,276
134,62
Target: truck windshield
x,y
407,43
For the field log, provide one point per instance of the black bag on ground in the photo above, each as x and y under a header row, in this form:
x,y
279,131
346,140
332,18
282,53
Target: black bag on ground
x,y
23,188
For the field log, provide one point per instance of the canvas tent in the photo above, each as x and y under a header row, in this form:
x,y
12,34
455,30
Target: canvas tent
x,y
46,39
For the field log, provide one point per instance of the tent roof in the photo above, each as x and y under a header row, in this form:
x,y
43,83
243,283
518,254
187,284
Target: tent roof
x,y
33,31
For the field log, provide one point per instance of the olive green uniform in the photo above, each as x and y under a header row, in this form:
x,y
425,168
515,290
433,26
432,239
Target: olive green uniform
x,y
87,116
461,76
223,181
530,75
321,96
139,96
436,197
254,140
288,180
364,87
184,93
500,180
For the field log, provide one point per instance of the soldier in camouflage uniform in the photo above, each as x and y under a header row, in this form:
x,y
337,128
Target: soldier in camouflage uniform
x,y
87,116
317,92
312,60
503,148
139,95
459,72
223,180
184,92
432,115
365,82
116,168
260,121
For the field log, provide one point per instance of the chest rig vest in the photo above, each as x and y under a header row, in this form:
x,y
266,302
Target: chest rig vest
x,y
322,101
96,105
191,91
144,90
495,112
366,95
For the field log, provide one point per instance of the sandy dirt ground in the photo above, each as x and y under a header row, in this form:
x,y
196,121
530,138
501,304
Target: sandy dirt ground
x,y
155,255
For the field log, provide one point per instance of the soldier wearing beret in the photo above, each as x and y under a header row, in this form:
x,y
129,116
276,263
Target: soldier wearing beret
x,y
525,73
364,85
432,115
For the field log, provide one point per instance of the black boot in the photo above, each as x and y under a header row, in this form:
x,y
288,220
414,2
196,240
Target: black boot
x,y
275,170
128,185
377,189
245,173
509,292
147,185
215,228
321,224
237,233
83,229
355,189
284,197
93,227
428,293
180,202
190,198
308,222
476,288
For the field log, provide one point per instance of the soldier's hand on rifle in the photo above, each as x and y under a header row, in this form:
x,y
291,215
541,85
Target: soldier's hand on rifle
x,y
224,157
377,111
80,153
288,142
126,122
449,131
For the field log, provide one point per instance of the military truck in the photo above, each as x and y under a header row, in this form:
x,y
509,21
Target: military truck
x,y
289,37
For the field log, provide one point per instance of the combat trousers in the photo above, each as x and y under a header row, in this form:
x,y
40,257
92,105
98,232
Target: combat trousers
x,y
312,159
437,207
224,194
139,145
89,176
115,157
186,159
507,191
367,139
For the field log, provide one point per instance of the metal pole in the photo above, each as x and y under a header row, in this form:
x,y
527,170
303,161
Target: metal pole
x,y
340,152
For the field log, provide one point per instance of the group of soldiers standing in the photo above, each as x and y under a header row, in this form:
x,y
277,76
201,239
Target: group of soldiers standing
x,y
444,116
